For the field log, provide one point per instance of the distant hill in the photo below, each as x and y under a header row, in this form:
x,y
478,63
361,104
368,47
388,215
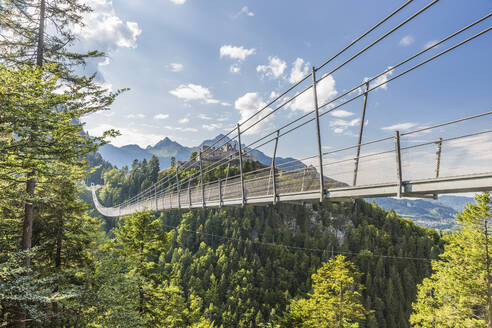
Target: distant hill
x,y
167,148
439,214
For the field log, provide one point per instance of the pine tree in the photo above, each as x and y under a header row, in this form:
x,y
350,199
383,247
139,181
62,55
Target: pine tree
x,y
335,301
458,292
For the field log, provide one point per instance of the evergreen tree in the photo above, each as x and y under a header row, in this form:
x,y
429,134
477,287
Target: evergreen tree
x,y
336,300
458,292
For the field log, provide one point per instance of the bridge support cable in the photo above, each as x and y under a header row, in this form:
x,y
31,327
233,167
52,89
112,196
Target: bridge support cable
x,y
241,164
361,131
438,161
220,192
201,179
318,135
178,188
274,174
399,176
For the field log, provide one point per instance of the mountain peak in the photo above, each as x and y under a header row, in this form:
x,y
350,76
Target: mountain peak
x,y
163,143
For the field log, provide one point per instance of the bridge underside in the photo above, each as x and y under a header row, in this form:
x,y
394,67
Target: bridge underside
x,y
425,188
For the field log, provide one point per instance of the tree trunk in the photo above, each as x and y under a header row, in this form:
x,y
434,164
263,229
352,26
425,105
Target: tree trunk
x,y
59,240
31,182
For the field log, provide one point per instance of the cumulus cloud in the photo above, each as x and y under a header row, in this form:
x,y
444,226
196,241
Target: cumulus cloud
x,y
175,67
274,69
105,62
161,116
325,90
249,104
135,116
299,70
104,30
193,92
341,113
234,52
178,2
399,126
430,44
244,11
235,68
406,41
129,135
340,126
212,126
382,79
184,120
204,117
180,129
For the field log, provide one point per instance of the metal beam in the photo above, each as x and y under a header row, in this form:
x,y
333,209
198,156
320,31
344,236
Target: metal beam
x,y
318,135
398,163
243,194
361,131
201,179
178,188
274,181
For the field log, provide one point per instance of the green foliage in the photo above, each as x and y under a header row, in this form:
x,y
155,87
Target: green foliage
x,y
456,293
336,300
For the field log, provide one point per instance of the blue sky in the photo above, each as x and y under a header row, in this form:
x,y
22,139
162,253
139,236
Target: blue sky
x,y
197,67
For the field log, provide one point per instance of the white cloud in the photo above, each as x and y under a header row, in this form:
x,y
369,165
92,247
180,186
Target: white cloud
x,y
430,44
104,30
382,79
344,123
128,135
105,62
274,69
325,90
184,120
299,70
249,104
135,116
212,126
341,113
274,95
235,68
406,40
244,11
204,117
340,126
225,104
399,126
233,52
178,2
161,116
194,92
175,67
180,129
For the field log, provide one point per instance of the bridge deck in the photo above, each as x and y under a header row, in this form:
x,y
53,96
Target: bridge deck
x,y
258,192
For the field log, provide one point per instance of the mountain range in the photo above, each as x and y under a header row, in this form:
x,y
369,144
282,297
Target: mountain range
x,y
438,214
167,148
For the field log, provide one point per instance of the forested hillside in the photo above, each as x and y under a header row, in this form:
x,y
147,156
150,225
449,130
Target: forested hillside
x,y
247,264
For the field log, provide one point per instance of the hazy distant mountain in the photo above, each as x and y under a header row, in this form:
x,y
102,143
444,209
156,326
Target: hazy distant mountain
x,y
167,148
439,214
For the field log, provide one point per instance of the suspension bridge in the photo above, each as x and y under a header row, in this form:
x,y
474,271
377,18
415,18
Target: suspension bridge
x,y
452,156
